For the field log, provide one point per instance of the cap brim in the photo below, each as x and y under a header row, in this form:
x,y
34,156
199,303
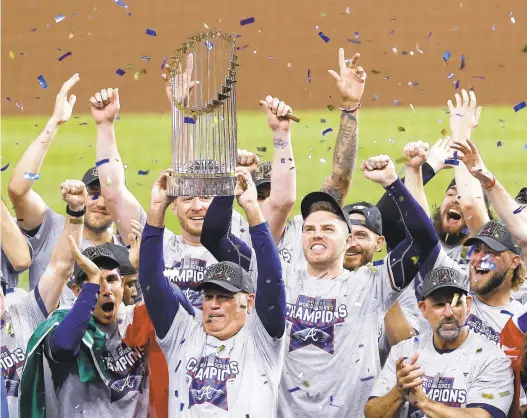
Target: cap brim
x,y
223,284
261,182
443,286
315,197
493,243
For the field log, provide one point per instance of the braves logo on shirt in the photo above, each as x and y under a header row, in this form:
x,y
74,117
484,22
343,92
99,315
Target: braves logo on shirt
x,y
11,362
187,274
313,322
128,367
209,377
481,328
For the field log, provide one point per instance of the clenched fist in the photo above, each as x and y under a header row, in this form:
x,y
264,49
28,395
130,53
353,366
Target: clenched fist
x,y
247,159
416,153
105,106
379,169
74,193
276,111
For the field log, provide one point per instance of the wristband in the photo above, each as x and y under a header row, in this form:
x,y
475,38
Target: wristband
x,y
351,110
78,214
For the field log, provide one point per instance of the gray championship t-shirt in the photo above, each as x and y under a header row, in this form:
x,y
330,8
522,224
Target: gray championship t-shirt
x,y
7,270
22,317
238,377
127,393
290,246
476,373
332,354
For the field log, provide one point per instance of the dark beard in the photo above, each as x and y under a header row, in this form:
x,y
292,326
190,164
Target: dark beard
x,y
98,229
494,282
449,239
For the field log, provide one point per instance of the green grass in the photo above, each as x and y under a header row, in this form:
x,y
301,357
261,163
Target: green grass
x,y
144,144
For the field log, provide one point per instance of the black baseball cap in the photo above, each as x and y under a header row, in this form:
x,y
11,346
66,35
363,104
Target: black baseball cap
x,y
122,256
442,277
315,197
485,194
522,196
372,214
91,177
263,174
229,276
497,237
101,256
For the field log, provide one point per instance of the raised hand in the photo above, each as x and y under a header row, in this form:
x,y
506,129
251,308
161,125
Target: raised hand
x,y
159,194
350,81
379,169
134,238
247,159
439,153
183,82
63,103
276,111
469,154
245,189
93,272
105,106
408,374
416,153
464,117
74,193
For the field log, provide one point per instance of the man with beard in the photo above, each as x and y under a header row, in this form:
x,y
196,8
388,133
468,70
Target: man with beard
x,y
37,220
449,371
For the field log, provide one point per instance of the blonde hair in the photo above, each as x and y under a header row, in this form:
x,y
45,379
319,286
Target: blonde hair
x,y
518,276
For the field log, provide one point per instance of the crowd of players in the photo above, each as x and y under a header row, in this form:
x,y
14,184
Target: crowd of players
x,y
265,315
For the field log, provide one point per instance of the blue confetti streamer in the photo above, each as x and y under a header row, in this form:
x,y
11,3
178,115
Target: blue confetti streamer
x,y
242,47
516,211
4,168
499,144
520,106
66,55
429,35
450,76
31,176
354,41
120,72
365,379
357,35
323,37
247,21
121,3
309,75
462,62
96,196
177,367
325,131
457,84
177,393
293,389
59,18
8,99
44,84
151,32
209,45
145,58
164,62
101,162
181,406
189,120
447,55
143,172
481,77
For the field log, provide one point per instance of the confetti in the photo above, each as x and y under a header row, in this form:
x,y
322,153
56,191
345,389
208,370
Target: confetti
x,y
446,55
120,72
181,406
450,76
31,176
487,395
66,55
108,182
5,167
365,379
189,120
11,55
177,367
44,84
429,35
143,172
455,299
309,75
493,28
357,35
331,108
139,74
323,37
209,45
145,58
354,41
457,84
325,131
516,211
293,389
503,394
479,350
481,77
401,129
520,106
499,144
444,131
121,3
243,47
59,18
96,196
102,162
261,149
412,107
164,62
462,62
322,161
247,21
151,32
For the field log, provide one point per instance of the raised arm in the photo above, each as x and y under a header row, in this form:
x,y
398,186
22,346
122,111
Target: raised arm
x,y
14,245
29,206
464,118
508,209
277,207
421,239
121,203
162,299
350,83
416,154
60,268
270,289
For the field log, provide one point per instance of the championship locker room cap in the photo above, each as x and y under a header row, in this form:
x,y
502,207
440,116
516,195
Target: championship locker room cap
x,y
263,174
102,258
497,237
122,256
373,216
229,276
315,197
91,177
444,277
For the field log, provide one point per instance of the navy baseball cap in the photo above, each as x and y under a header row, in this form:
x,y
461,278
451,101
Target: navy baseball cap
x,y
91,177
372,214
497,237
229,276
102,257
122,256
263,174
442,277
315,197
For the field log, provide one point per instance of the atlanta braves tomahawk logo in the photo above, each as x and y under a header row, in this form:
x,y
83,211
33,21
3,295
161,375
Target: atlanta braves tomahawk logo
x,y
209,380
313,322
188,273
12,362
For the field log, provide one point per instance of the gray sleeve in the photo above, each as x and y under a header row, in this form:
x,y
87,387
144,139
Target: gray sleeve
x,y
50,229
409,306
177,334
387,379
269,348
26,315
142,216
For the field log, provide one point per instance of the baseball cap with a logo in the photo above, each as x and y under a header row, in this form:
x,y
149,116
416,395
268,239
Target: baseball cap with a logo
x,y
229,276
315,197
102,257
497,237
442,277
263,174
373,216
91,177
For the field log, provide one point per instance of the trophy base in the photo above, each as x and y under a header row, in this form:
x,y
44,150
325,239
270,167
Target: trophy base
x,y
181,185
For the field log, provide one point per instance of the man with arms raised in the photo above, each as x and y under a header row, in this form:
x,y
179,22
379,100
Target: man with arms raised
x,y
447,372
229,363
